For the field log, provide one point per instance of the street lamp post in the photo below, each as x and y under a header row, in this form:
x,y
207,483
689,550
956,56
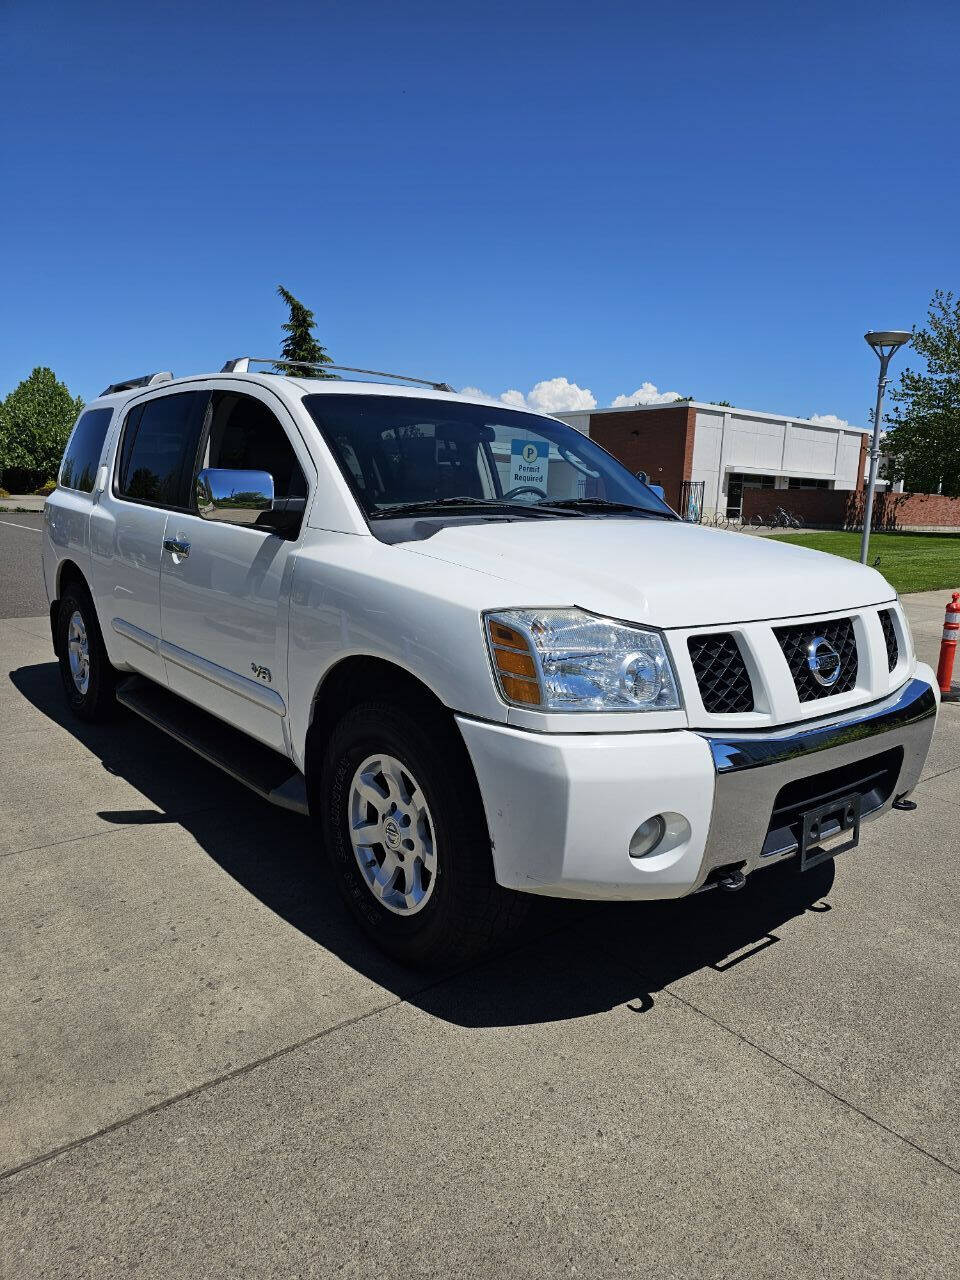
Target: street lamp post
x,y
884,342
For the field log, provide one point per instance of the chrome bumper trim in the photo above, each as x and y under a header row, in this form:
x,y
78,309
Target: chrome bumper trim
x,y
752,768
916,701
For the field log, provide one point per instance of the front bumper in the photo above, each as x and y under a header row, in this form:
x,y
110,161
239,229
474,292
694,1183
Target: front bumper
x,y
562,808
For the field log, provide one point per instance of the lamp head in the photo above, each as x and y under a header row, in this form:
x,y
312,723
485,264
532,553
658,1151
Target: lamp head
x,y
887,338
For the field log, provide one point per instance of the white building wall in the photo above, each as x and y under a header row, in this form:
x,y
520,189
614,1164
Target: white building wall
x,y
579,420
731,441
707,439
848,459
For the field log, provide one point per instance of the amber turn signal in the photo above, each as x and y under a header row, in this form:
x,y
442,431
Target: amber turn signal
x,y
520,690
515,667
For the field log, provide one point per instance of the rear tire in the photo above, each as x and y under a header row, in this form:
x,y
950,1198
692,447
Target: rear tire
x,y
89,681
403,827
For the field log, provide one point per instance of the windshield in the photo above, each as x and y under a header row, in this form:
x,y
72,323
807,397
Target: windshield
x,y
398,451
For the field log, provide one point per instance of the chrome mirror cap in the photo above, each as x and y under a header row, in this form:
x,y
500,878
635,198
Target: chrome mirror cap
x,y
235,497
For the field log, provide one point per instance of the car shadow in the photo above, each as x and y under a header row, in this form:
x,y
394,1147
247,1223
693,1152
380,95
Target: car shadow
x,y
571,959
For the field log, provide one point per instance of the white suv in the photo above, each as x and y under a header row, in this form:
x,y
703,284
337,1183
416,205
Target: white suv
x,y
483,655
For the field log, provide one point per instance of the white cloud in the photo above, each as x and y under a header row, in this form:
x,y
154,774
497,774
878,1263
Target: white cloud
x,y
515,399
829,420
646,393
553,395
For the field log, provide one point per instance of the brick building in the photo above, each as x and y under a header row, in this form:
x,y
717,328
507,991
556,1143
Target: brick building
x,y
705,455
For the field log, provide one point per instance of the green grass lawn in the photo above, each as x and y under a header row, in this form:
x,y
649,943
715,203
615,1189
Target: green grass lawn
x,y
909,561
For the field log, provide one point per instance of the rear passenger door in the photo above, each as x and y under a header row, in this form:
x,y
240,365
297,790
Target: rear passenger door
x,y
225,603
151,479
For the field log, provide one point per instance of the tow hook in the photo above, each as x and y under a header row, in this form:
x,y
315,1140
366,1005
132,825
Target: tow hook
x,y
906,806
731,881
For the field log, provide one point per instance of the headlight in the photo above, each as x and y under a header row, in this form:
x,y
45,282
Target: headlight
x,y
570,660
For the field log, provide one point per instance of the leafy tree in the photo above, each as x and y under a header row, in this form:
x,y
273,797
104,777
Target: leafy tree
x,y
923,445
300,344
35,421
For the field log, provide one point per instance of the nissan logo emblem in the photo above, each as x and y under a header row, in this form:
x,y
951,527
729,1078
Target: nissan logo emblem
x,y
823,662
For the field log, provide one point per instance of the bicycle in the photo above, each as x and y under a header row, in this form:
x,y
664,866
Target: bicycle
x,y
779,519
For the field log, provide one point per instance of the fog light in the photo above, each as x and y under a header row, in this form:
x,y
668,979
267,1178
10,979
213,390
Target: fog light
x,y
647,836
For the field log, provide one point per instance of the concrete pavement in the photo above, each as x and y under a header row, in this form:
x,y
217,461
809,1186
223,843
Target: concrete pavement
x,y
205,1071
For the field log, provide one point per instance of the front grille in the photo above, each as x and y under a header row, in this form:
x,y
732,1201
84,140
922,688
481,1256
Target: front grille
x,y
889,638
873,779
721,674
795,641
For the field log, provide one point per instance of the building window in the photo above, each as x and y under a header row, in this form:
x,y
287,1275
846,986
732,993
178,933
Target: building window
x,y
737,482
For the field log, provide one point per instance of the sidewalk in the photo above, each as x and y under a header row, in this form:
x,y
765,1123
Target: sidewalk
x,y
22,502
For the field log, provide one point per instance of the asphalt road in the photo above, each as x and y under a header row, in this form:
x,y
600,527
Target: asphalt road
x,y
21,580
204,1071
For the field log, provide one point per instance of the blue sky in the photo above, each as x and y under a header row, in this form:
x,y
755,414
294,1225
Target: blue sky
x,y
715,199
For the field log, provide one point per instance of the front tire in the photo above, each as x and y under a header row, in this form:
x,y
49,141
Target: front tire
x,y
406,837
89,681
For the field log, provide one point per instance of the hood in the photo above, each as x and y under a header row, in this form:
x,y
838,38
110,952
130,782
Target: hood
x,y
664,573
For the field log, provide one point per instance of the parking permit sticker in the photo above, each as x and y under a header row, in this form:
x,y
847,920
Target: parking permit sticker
x,y
528,463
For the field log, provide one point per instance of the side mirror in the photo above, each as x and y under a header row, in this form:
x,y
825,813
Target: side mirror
x,y
234,497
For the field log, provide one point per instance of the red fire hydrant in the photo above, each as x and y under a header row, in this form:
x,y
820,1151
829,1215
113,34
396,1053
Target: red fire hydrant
x,y
948,650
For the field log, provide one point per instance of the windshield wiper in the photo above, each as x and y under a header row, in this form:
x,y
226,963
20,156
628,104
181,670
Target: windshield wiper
x,y
426,505
587,505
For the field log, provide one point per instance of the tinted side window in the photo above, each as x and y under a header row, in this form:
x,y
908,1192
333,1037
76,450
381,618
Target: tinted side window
x,y
245,436
82,456
159,448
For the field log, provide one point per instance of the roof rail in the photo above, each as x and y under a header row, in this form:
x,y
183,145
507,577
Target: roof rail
x,y
242,365
147,380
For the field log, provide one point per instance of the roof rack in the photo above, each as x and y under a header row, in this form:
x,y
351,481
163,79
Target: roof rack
x,y
147,380
242,365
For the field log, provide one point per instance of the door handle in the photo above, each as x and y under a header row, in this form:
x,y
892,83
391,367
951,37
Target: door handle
x,y
177,546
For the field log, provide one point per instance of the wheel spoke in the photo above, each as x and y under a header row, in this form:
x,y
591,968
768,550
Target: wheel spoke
x,y
393,778
365,834
413,881
417,802
369,791
385,878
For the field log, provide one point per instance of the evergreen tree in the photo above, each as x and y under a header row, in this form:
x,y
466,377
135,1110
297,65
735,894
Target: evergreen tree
x,y
923,445
35,421
300,344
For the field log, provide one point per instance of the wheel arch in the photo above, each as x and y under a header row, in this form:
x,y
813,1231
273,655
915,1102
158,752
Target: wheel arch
x,y
360,677
68,572
363,678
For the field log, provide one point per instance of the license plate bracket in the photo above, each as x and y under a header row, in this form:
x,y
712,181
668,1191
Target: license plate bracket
x,y
829,829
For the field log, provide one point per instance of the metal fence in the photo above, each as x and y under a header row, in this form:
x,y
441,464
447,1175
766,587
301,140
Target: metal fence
x,y
691,500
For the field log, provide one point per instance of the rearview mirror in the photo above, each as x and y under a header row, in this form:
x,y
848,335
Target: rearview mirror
x,y
234,497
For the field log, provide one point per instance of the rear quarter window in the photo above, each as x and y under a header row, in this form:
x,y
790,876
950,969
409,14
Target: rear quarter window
x,y
81,458
160,439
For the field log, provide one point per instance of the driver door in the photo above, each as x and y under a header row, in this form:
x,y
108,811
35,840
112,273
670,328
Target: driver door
x,y
224,586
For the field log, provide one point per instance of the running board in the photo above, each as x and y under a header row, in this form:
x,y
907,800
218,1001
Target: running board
x,y
260,768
